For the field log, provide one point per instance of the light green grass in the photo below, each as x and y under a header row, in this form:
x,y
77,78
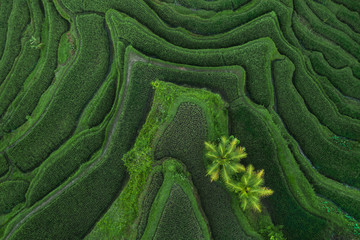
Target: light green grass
x,y
66,48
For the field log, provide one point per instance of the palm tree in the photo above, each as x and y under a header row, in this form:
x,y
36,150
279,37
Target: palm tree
x,y
225,158
250,188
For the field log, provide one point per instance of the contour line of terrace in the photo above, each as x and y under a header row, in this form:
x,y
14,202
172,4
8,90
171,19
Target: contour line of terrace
x,y
133,58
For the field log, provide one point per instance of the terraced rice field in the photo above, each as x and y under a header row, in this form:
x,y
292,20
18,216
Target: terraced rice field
x,y
105,106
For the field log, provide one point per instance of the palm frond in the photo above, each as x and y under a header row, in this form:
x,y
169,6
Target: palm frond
x,y
244,181
250,169
233,167
213,167
233,186
250,188
232,146
244,203
209,146
241,150
225,175
235,141
221,149
257,181
266,192
256,206
243,194
230,150
256,191
240,167
235,155
224,140
260,174
214,176
211,155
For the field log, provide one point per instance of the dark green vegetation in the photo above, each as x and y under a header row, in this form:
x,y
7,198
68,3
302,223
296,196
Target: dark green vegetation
x,y
96,96
4,166
178,219
175,212
12,193
178,141
147,200
123,212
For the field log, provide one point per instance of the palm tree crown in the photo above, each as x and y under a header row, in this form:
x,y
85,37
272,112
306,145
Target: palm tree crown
x,y
250,188
225,158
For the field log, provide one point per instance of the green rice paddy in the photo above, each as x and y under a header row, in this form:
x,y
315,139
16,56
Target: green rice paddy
x,y
105,106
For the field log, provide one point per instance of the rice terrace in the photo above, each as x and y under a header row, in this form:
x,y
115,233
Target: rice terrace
x,y
180,119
